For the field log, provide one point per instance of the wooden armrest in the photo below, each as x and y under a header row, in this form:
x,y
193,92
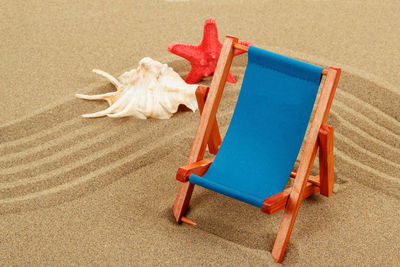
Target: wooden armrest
x,y
198,168
278,201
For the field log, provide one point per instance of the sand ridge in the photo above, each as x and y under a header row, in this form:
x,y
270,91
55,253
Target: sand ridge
x,y
77,191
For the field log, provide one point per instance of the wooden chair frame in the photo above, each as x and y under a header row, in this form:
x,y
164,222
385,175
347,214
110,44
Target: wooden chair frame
x,y
320,135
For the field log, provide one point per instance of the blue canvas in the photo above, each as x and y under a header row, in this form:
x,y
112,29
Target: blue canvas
x,y
267,128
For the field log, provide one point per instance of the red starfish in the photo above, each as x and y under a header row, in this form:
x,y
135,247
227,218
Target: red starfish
x,y
203,57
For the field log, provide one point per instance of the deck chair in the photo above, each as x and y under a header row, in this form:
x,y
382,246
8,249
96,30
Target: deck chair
x,y
257,156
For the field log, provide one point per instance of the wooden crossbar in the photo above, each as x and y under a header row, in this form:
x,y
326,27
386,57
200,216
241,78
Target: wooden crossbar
x,y
241,47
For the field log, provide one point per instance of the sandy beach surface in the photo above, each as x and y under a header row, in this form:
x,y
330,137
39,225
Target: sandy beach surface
x,y
77,191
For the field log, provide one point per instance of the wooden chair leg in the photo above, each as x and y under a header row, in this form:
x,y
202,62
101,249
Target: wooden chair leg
x,y
326,160
182,200
285,229
295,197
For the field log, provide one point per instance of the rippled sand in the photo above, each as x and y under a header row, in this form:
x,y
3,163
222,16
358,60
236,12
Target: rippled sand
x,y
100,191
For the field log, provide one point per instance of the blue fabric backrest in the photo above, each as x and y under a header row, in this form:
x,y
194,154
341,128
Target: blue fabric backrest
x,y
267,128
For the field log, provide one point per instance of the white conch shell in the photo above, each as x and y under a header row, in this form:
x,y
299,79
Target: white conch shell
x,y
152,90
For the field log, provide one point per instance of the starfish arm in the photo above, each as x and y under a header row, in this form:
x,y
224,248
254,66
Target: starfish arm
x,y
210,37
195,75
189,52
230,78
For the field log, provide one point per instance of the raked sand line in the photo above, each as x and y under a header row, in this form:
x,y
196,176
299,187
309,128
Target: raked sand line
x,y
66,173
58,156
37,135
360,140
359,116
366,143
104,169
56,137
89,164
59,195
85,148
364,156
366,175
86,184
92,157
369,126
52,145
380,116
80,181
43,121
361,135
371,93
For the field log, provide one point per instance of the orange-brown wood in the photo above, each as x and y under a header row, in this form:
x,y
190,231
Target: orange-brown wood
x,y
278,201
215,137
199,168
241,47
206,123
182,200
326,159
314,180
332,82
188,221
324,72
306,162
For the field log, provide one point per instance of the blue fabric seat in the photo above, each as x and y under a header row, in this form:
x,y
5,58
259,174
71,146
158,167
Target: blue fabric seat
x,y
267,128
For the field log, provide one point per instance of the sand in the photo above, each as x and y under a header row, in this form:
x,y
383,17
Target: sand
x,y
77,191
